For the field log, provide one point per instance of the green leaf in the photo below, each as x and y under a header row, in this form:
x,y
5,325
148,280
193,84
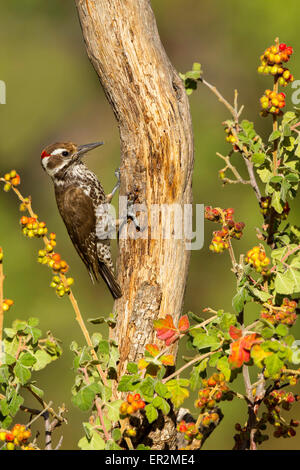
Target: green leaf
x,y
283,283
19,325
276,202
178,391
39,392
282,330
5,424
203,340
292,178
96,443
239,299
27,359
128,383
260,294
267,332
226,320
224,367
162,390
9,332
273,364
161,404
147,387
276,179
197,66
42,359
295,275
132,368
195,377
265,175
96,321
22,373
4,408
151,413
15,403
96,339
8,359
143,447
274,136
85,396
116,434
33,321
258,158
32,330
113,410
4,374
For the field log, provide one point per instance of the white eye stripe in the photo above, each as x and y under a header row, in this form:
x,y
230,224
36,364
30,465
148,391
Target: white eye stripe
x,y
58,151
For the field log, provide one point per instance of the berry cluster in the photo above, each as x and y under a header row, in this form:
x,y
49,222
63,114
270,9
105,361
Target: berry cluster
x,y
257,258
12,179
285,314
265,206
273,402
31,227
132,404
60,287
230,228
24,205
244,434
287,377
190,430
230,137
272,102
56,263
16,437
272,63
214,390
7,303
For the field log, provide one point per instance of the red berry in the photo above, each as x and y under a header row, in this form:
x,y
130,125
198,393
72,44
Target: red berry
x,y
141,404
282,46
182,428
130,398
9,436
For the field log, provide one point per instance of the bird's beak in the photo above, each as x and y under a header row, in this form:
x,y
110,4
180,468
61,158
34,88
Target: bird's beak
x,y
82,149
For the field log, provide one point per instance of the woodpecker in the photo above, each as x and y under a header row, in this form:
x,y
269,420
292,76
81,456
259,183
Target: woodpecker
x,y
80,199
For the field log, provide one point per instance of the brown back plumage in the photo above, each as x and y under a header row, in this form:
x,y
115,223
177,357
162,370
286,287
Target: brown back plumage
x,y
78,215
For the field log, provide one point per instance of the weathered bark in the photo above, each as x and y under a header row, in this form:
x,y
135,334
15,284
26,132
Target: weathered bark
x,y
152,111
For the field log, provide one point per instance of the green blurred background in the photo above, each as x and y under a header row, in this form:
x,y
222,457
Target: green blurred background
x,y
53,94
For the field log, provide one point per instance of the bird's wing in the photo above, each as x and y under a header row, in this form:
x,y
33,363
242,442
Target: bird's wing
x,y
77,211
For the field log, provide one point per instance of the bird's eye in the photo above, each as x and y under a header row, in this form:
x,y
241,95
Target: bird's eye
x,y
65,153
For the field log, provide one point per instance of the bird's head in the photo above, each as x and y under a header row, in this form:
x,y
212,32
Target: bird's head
x,y
59,157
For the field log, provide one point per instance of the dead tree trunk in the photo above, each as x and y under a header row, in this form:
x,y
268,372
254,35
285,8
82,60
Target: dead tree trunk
x,y
152,111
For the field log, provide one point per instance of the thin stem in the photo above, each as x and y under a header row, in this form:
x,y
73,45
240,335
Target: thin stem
x,y
48,433
100,414
253,181
275,125
1,304
247,382
39,413
188,364
236,114
46,405
221,99
71,295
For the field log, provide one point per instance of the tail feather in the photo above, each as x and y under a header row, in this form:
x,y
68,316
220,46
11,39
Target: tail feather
x,y
110,280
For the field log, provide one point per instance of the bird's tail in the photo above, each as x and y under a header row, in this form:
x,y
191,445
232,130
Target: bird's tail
x,y
110,280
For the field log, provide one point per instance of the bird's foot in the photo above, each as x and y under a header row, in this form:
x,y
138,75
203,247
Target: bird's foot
x,y
116,187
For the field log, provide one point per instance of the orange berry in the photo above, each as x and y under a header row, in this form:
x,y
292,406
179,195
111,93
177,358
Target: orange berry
x,y
130,398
